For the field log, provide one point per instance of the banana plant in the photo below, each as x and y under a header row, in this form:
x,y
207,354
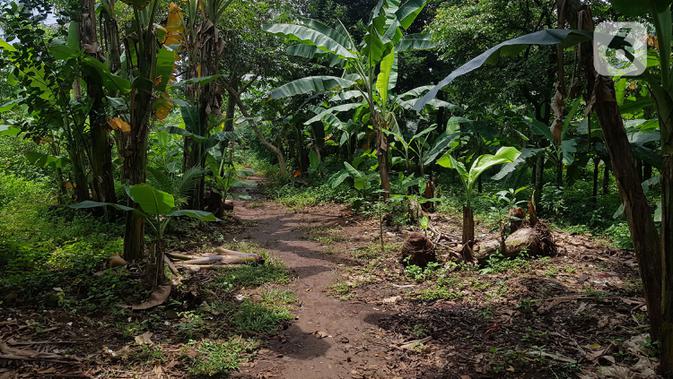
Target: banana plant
x,y
470,177
369,68
157,208
653,248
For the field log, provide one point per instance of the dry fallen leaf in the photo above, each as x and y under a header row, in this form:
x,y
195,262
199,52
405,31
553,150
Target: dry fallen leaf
x,y
158,297
144,339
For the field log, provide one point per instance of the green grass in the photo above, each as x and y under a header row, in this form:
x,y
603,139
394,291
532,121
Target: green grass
x,y
219,358
296,197
43,247
439,293
191,324
278,297
260,318
342,290
496,263
271,271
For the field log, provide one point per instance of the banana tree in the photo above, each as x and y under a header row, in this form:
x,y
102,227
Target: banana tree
x,y
369,68
203,45
153,55
654,249
157,208
470,177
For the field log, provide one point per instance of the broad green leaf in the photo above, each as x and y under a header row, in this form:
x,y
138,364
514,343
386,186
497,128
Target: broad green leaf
x,y
568,150
164,67
418,41
97,204
314,161
8,106
353,171
341,37
539,128
311,84
416,92
346,95
442,143
548,37
186,133
383,79
486,161
512,166
8,130
311,36
73,36
434,104
409,11
151,200
59,50
336,109
195,214
6,46
46,160
335,180
448,161
112,82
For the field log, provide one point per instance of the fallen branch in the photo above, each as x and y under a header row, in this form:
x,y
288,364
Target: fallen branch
x,y
196,268
179,256
223,259
10,353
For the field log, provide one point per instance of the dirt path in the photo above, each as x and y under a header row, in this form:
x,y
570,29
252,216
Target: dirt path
x,y
329,338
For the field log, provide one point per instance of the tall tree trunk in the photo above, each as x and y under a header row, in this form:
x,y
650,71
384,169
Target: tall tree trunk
x,y
606,178
101,147
638,213
135,146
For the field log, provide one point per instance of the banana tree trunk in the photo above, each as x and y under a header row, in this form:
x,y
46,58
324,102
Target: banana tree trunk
x,y
101,147
666,122
468,225
135,146
80,185
638,213
382,153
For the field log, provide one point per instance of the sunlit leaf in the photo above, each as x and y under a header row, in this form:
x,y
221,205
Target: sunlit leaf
x,y
117,123
151,200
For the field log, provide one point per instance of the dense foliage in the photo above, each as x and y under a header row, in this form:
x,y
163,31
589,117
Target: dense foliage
x,y
117,117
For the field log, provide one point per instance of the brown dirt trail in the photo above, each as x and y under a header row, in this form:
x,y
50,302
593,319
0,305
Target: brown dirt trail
x,y
329,338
